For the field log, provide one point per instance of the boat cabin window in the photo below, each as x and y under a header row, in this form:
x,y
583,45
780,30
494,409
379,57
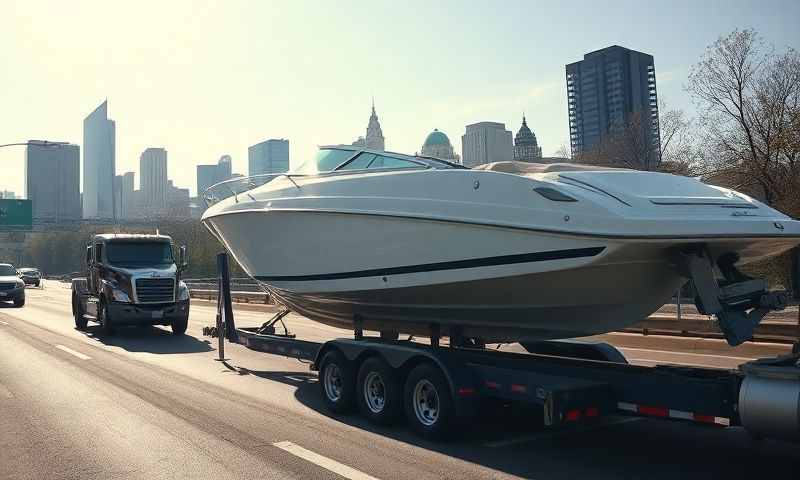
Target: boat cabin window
x,y
326,160
360,162
391,162
373,161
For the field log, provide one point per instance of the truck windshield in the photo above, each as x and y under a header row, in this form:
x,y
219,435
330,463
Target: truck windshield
x,y
139,253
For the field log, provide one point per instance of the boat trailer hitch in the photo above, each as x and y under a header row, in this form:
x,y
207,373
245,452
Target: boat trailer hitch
x,y
737,301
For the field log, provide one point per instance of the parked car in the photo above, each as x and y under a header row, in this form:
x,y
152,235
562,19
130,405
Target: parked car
x,y
12,288
31,276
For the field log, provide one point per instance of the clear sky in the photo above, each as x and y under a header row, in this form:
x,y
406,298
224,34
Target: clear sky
x,y
203,79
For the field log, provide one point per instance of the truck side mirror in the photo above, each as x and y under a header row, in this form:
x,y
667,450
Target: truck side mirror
x,y
183,259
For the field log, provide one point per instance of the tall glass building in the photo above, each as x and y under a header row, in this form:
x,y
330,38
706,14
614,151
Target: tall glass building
x,y
99,152
605,91
52,181
271,156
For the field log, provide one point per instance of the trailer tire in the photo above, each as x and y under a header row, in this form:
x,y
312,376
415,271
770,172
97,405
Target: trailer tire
x,y
77,312
379,392
429,405
337,382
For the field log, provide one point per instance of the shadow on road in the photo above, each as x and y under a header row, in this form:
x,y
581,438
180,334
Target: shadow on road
x,y
614,447
148,339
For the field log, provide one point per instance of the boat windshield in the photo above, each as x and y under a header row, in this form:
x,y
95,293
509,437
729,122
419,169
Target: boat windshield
x,y
328,159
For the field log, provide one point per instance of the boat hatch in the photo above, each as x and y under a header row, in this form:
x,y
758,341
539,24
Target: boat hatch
x,y
659,189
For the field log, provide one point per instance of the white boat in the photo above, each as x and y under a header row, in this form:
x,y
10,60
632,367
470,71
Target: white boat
x,y
507,252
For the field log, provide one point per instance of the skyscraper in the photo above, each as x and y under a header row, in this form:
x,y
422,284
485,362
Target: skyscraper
x,y
208,175
98,164
526,148
374,139
486,142
607,92
153,178
271,156
53,181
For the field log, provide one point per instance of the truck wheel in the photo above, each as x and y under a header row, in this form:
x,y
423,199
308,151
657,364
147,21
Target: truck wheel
x,y
77,312
19,302
106,324
428,403
337,382
379,394
179,325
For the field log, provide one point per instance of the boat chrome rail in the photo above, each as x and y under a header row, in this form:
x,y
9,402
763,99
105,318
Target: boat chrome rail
x,y
236,186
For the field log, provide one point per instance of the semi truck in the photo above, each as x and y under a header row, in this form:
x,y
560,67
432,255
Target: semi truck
x,y
132,279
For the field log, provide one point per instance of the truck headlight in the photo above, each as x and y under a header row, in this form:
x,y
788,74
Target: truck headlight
x,y
183,291
119,296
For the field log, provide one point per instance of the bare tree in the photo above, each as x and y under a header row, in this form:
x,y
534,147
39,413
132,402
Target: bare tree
x,y
749,99
563,151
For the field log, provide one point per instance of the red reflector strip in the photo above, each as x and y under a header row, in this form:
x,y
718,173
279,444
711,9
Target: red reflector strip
x,y
703,418
592,412
653,411
491,384
465,391
518,388
676,414
573,415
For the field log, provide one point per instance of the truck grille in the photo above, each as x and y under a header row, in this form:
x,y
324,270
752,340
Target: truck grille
x,y
155,290
7,286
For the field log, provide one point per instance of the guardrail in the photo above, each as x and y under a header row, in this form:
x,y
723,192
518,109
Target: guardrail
x,y
239,297
657,324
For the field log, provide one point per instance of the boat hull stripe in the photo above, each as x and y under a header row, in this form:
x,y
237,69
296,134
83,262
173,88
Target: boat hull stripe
x,y
454,265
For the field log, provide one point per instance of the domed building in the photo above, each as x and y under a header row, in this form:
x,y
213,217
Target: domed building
x,y
437,145
526,148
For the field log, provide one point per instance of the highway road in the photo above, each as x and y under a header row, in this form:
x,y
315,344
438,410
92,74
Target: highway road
x,y
147,404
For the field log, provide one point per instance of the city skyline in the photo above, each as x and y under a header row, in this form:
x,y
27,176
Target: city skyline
x,y
425,83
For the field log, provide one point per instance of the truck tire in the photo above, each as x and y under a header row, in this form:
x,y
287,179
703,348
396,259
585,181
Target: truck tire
x,y
428,403
106,323
337,382
179,325
379,392
19,302
77,312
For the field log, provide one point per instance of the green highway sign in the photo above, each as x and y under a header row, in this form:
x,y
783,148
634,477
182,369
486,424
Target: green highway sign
x,y
16,214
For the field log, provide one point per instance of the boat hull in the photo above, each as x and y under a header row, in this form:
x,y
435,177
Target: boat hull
x,y
496,283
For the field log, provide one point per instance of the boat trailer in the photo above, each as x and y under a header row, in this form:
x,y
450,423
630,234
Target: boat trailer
x,y
566,381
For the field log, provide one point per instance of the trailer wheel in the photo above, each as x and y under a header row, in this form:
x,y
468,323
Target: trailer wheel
x,y
337,382
77,312
380,398
429,406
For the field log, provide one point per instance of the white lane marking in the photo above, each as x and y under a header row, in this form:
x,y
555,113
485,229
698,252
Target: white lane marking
x,y
324,462
558,433
4,323
73,352
667,352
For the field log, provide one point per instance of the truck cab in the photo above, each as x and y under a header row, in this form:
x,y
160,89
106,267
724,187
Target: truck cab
x,y
132,279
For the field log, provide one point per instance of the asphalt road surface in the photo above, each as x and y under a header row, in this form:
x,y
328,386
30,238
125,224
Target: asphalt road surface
x,y
146,404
